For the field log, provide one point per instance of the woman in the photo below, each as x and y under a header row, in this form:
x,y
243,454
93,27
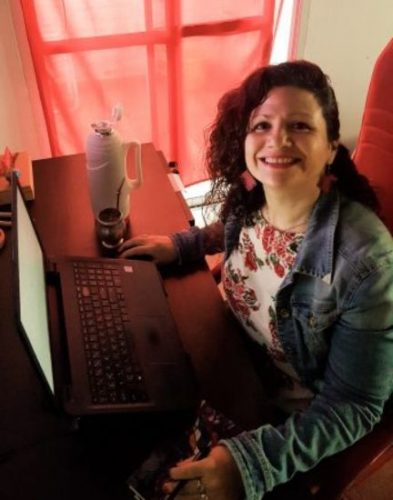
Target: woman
x,y
308,272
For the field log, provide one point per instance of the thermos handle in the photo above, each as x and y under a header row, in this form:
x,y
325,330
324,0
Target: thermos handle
x,y
135,183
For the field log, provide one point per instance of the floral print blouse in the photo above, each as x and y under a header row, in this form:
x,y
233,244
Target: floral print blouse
x,y
251,278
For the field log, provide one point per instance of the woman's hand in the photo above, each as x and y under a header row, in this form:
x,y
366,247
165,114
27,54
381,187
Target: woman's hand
x,y
215,477
160,248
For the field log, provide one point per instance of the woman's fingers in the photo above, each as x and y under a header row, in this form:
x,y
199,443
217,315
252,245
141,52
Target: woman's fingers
x,y
215,477
134,250
133,242
190,476
160,248
189,469
188,489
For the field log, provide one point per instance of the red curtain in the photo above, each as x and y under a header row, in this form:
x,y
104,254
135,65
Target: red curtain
x,y
166,61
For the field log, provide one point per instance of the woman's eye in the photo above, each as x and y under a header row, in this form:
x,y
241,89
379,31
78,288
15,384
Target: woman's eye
x,y
300,126
260,126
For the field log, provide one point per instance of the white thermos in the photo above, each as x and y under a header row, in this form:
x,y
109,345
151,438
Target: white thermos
x,y
106,157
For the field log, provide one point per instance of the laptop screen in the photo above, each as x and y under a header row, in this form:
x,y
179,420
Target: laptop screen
x,y
33,312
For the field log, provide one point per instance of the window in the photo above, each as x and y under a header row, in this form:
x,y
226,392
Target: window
x,y
166,62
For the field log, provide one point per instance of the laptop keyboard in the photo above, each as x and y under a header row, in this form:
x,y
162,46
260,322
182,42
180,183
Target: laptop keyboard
x,y
115,376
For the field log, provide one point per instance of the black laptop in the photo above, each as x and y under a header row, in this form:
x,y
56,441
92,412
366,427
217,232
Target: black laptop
x,y
99,330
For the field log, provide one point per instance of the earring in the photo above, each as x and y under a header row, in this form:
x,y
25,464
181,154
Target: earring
x,y
327,179
248,180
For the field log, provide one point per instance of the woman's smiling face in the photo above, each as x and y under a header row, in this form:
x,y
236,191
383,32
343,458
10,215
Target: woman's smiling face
x,y
286,146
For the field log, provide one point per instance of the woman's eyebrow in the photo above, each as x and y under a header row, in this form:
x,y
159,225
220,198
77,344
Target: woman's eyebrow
x,y
303,114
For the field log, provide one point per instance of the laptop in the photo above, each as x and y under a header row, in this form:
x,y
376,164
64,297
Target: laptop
x,y
99,330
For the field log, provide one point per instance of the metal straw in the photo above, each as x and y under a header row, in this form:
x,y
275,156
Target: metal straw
x,y
118,193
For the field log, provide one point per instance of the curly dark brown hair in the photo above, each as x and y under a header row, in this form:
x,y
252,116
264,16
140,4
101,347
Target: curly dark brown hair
x,y
225,159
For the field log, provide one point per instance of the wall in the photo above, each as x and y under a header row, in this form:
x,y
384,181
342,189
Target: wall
x,y
20,115
345,37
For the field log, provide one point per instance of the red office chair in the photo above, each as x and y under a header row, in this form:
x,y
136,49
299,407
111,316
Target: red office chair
x,y
374,150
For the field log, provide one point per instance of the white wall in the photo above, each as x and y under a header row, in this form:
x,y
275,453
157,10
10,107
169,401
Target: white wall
x,y
345,37
20,115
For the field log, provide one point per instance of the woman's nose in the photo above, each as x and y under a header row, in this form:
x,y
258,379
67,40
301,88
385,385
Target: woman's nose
x,y
279,137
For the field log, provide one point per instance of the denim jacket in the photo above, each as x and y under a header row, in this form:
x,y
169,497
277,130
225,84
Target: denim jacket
x,y
335,322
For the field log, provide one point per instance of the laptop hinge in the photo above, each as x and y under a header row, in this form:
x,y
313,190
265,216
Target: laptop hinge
x,y
51,271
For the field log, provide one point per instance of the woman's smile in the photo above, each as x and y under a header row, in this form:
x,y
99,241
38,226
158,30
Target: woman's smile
x,y
279,161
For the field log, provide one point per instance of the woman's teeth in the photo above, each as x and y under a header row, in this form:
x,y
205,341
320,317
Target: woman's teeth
x,y
279,161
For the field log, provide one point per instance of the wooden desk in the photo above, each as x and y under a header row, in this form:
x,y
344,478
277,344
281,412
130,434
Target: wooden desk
x,y
42,456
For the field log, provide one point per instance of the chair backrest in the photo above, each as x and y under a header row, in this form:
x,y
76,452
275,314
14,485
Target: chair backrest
x,y
374,149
